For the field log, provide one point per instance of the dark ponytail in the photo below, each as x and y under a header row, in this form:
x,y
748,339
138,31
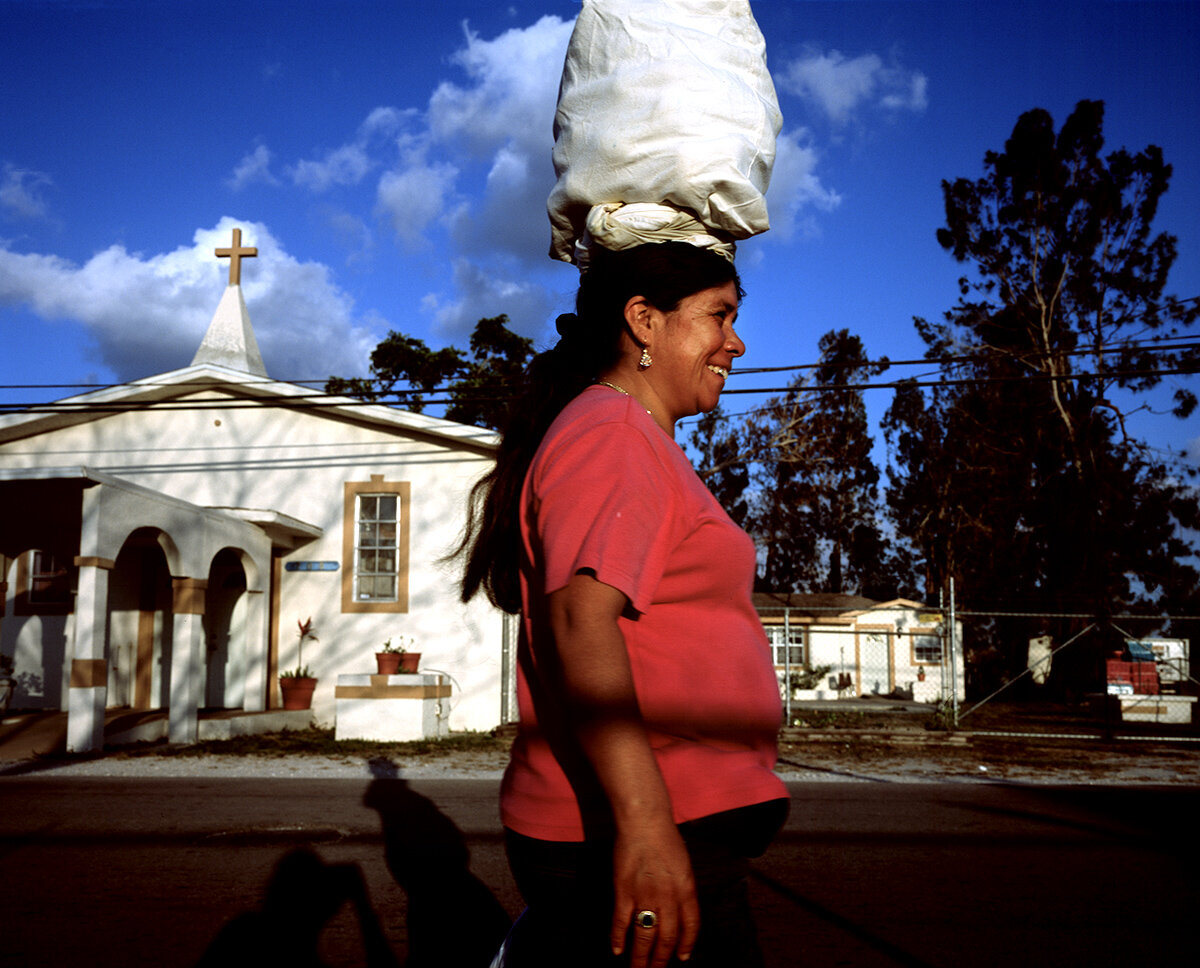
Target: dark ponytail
x,y
590,343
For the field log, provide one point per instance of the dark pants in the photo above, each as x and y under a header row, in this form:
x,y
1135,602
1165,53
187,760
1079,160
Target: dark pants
x,y
569,892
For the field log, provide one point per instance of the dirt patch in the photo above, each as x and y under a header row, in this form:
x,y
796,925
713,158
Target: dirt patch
x,y
1026,760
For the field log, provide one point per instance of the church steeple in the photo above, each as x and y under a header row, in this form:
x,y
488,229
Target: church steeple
x,y
230,338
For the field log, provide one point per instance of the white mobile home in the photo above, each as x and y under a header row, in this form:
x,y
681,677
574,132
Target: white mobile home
x,y
899,648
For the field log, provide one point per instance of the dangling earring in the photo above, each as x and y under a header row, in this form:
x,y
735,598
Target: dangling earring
x,y
645,361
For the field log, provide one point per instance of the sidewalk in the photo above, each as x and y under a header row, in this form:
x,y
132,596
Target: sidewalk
x,y
27,735
29,742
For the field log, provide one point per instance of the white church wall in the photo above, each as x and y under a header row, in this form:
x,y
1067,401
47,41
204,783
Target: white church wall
x,y
297,464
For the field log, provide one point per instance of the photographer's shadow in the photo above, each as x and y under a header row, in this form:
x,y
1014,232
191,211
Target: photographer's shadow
x,y
304,893
452,918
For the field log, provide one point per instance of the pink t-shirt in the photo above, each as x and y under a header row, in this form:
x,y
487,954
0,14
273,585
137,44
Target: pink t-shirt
x,y
610,492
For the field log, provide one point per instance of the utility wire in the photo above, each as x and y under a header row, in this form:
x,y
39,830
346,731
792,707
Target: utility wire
x,y
401,398
1152,344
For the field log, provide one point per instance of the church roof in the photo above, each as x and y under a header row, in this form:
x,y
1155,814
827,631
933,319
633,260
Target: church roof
x,y
230,341
242,389
229,362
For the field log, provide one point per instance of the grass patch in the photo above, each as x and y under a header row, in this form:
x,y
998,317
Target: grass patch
x,y
318,742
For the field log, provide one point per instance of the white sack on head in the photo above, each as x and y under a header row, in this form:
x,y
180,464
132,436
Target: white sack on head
x,y
666,102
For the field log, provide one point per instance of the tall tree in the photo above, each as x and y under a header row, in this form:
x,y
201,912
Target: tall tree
x,y
1017,476
483,387
722,461
845,508
816,511
479,386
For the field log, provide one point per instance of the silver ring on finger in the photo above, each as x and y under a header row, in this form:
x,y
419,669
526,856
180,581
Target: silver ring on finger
x,y
646,919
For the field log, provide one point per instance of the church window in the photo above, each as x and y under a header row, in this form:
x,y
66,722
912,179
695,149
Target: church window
x,y
375,554
49,580
375,546
44,581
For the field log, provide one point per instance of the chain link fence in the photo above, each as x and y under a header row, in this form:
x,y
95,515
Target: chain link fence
x,y
989,671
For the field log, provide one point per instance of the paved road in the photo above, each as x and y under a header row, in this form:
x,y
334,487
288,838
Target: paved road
x,y
132,872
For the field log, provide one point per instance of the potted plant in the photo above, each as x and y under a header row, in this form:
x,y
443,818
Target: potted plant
x,y
7,682
409,660
388,658
298,684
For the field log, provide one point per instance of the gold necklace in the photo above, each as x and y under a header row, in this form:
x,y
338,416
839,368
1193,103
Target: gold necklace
x,y
613,386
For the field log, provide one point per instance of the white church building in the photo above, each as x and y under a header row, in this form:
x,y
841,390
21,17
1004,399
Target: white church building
x,y
161,540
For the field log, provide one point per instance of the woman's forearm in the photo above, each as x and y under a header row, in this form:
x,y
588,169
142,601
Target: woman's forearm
x,y
651,868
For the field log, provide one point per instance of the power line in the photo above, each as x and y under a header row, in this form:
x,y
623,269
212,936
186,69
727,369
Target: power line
x,y
1192,344
1163,344
317,401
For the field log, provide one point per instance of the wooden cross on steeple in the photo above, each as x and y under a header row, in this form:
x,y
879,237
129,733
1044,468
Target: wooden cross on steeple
x,y
235,254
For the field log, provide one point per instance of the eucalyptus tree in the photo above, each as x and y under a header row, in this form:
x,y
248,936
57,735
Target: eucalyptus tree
x,y
476,387
1019,475
814,496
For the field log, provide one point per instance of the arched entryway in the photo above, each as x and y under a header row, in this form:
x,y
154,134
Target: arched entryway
x,y
140,624
225,632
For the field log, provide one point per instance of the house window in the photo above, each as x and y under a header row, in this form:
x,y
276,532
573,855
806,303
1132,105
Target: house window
x,y
927,649
375,546
787,645
49,580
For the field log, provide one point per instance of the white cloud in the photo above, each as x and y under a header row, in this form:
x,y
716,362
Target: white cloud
x,y
503,117
483,294
254,167
512,89
510,217
841,86
147,314
351,233
795,187
910,93
476,161
347,165
350,163
385,121
20,192
414,195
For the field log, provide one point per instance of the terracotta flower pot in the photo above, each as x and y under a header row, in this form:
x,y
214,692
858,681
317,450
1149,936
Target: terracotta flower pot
x,y
297,691
388,662
409,661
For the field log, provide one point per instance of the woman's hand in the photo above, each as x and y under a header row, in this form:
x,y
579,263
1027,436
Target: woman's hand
x,y
652,872
651,868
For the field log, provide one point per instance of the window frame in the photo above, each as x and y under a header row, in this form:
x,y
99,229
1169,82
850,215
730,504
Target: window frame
x,y
25,602
930,632
792,630
352,492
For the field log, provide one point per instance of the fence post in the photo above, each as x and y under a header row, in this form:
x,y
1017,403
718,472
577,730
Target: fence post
x,y
787,665
953,659
508,669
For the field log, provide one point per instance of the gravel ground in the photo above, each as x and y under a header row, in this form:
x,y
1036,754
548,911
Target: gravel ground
x,y
853,760
983,760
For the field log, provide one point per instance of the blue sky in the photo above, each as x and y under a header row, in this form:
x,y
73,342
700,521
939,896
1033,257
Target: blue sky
x,y
391,162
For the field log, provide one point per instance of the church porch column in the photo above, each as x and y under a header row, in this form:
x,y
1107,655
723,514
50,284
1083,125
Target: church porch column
x,y
255,644
88,689
187,660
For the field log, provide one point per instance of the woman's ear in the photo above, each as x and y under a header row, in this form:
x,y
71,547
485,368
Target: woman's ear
x,y
637,318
